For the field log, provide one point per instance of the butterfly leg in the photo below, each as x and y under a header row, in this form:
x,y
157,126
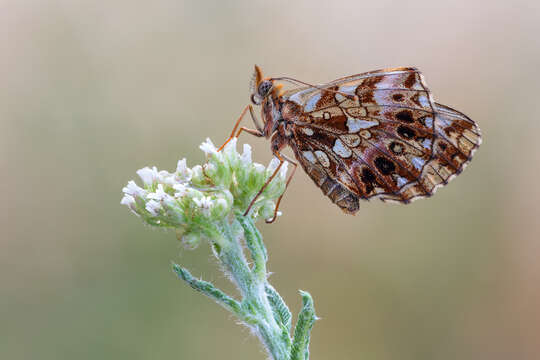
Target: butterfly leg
x,y
253,132
281,161
242,114
282,158
293,163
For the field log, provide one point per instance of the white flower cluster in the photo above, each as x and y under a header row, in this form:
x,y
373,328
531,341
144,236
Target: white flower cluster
x,y
156,180
191,198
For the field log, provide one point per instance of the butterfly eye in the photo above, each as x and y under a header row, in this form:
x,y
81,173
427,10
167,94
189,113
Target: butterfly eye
x,y
256,99
264,88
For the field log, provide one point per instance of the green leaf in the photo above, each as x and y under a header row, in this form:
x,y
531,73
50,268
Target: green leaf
x,y
209,290
306,318
255,245
282,314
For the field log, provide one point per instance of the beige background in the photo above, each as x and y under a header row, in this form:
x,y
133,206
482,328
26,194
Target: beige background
x,y
91,91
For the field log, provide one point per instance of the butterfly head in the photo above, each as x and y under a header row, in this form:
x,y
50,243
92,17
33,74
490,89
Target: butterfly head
x,y
260,87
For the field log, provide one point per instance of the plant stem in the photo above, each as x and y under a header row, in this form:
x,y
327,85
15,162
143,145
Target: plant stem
x,y
252,282
261,308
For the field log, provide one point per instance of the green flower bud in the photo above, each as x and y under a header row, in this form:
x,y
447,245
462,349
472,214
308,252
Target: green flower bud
x,y
191,240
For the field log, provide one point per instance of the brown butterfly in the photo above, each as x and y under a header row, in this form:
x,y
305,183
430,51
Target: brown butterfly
x,y
376,134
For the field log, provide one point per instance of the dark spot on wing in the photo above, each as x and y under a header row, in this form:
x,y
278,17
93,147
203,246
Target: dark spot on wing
x,y
405,116
396,148
411,79
367,176
385,166
405,132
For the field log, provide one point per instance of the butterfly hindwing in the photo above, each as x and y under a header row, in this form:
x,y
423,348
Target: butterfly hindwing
x,y
390,141
327,173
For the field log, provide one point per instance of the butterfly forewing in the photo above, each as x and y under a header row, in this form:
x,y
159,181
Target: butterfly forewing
x,y
391,140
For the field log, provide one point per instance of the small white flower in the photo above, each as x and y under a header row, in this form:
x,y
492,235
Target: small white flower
x,y
259,167
220,206
197,172
153,207
181,190
129,201
205,203
221,202
283,170
163,173
193,193
181,166
160,194
230,148
274,163
246,155
169,180
166,178
147,175
208,147
134,190
209,168
182,171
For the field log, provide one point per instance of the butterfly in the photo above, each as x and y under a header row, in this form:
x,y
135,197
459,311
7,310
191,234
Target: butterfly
x,y
377,134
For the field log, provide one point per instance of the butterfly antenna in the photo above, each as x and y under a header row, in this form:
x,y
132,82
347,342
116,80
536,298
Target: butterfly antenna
x,y
252,83
352,97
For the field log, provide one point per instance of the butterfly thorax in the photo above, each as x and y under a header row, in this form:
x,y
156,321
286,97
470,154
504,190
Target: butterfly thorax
x,y
280,116
271,115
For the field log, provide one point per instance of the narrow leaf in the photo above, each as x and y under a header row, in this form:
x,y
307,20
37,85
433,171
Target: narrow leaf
x,y
306,318
209,290
255,246
282,314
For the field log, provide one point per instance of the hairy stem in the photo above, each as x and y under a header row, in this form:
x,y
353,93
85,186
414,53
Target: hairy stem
x,y
252,282
261,307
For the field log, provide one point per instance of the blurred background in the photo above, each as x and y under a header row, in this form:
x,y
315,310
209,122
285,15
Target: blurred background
x,y
92,91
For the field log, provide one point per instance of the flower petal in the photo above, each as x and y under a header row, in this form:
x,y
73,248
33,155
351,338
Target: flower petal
x,y
208,147
147,175
246,155
153,207
134,190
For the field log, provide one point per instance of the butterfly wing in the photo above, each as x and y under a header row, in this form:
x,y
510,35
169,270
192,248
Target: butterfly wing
x,y
392,141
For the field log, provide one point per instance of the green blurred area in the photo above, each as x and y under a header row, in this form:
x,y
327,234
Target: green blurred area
x,y
92,91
